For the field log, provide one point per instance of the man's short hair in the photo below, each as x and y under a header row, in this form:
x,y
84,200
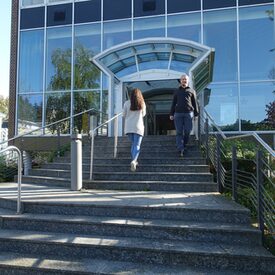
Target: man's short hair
x,y
185,75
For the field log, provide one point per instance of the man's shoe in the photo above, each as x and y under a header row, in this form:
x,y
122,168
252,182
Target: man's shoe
x,y
182,152
133,166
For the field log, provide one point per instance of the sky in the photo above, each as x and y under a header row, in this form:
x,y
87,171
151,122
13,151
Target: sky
x,y
5,26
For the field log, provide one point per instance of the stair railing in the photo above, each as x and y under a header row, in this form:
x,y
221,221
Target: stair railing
x,y
93,134
256,183
5,158
50,125
19,173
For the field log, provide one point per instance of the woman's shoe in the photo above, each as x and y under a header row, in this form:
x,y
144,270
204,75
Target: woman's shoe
x,y
133,166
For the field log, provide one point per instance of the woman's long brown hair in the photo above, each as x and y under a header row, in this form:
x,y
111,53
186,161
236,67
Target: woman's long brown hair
x,y
136,99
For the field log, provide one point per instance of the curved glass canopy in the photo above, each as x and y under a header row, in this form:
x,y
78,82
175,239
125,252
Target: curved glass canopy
x,y
171,55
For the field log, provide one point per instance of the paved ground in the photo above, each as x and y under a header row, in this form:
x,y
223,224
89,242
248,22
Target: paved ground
x,y
35,193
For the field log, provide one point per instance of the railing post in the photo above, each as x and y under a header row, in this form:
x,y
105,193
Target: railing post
x,y
259,167
58,141
115,135
19,181
76,162
218,164
234,173
27,162
92,154
207,139
199,130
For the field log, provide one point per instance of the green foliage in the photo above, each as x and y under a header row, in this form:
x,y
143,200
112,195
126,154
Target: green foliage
x,y
248,125
58,107
28,111
8,169
85,73
246,161
39,158
86,76
270,111
4,104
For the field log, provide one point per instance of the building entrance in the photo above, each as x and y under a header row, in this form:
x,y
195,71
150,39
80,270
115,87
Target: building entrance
x,y
158,96
154,65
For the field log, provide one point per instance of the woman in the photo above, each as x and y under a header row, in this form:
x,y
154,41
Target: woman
x,y
133,111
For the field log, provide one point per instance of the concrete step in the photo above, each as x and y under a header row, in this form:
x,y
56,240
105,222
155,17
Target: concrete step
x,y
22,264
141,160
128,175
48,181
154,148
164,252
151,186
126,185
125,167
145,205
55,173
152,138
157,176
148,154
137,228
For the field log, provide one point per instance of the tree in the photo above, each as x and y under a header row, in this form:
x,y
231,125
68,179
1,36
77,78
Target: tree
x,y
270,112
85,73
4,105
85,77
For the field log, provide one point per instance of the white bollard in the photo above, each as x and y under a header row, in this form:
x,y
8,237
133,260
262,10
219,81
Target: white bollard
x,y
76,162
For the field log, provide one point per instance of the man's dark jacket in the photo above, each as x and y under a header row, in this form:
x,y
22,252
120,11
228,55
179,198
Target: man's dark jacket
x,y
184,101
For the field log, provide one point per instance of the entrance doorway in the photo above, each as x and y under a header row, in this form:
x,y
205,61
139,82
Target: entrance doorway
x,y
154,65
158,95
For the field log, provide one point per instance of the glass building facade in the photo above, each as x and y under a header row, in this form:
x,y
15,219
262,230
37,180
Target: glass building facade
x,y
57,39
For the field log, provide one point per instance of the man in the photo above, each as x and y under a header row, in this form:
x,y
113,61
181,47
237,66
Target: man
x,y
184,107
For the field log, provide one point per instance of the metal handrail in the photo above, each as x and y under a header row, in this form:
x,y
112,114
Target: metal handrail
x,y
92,135
19,178
260,199
20,159
51,124
253,134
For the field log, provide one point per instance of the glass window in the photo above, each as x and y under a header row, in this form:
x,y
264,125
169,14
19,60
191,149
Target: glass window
x,y
29,113
53,1
116,33
224,42
257,52
59,15
32,18
149,27
105,81
251,2
29,3
87,44
117,9
85,101
174,6
148,7
153,60
88,11
58,106
185,26
30,68
59,52
221,102
257,101
105,100
212,4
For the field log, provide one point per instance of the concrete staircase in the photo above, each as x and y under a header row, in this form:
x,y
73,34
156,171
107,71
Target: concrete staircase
x,y
165,218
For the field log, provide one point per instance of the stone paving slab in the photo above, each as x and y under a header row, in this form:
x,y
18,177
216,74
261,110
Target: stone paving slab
x,y
59,195
203,248
96,266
